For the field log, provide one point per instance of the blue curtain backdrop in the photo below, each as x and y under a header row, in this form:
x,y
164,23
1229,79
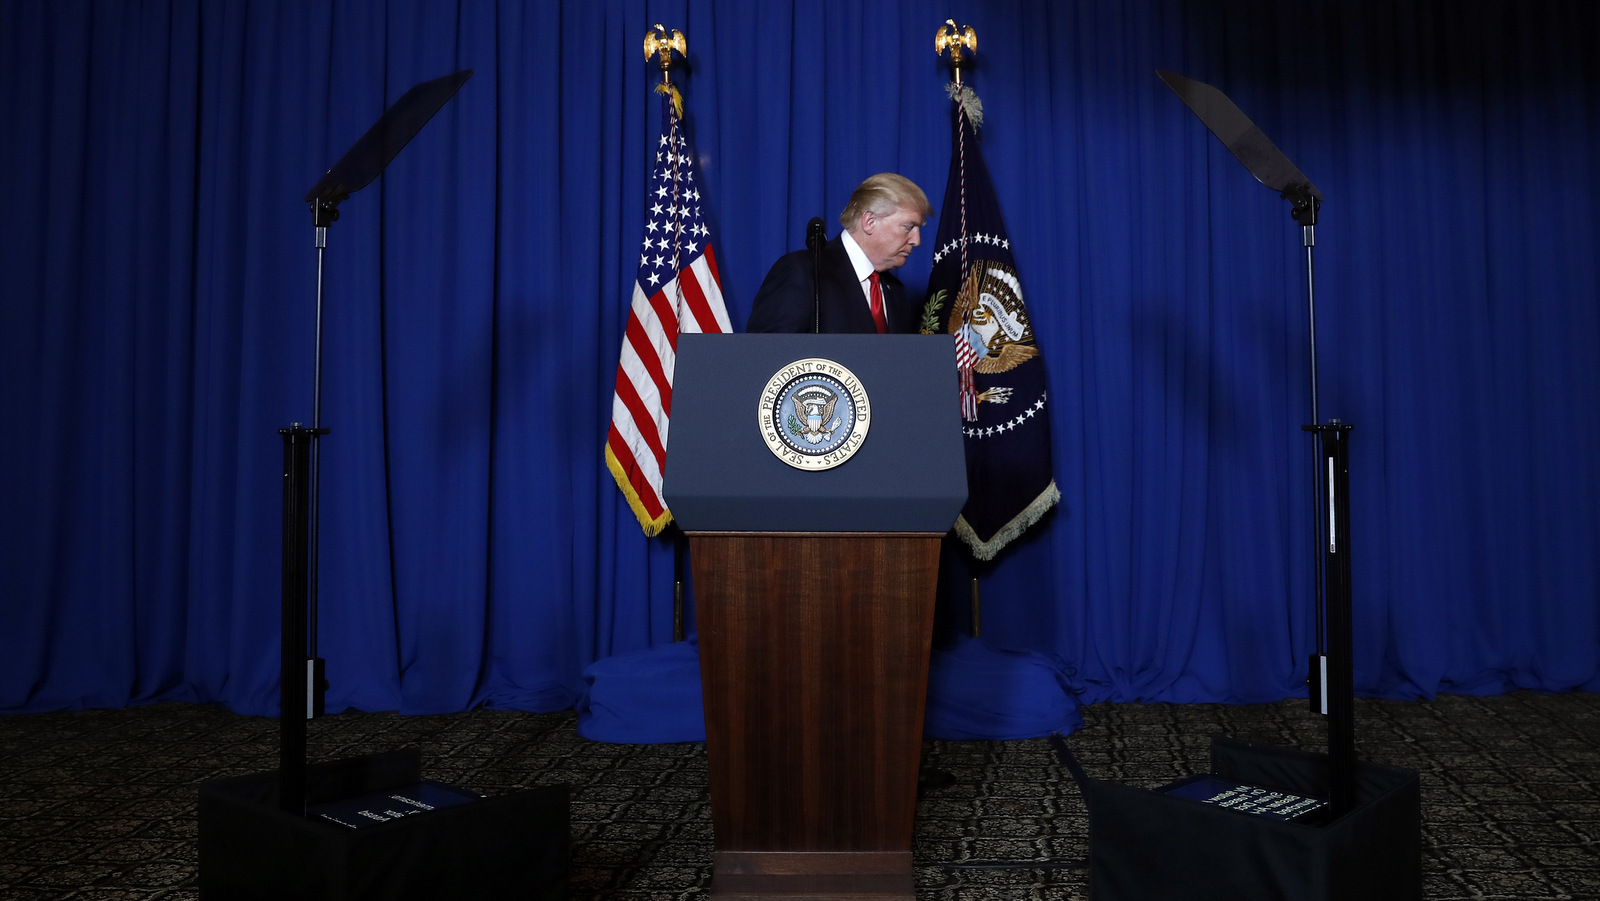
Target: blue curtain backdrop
x,y
158,273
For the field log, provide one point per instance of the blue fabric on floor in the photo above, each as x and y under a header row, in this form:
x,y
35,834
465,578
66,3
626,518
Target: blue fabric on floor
x,y
975,691
978,691
644,697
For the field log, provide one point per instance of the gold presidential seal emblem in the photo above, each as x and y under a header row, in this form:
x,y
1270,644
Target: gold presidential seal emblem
x,y
814,414
990,311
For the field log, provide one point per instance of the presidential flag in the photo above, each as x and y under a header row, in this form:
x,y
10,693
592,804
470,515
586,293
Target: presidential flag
x,y
677,290
975,294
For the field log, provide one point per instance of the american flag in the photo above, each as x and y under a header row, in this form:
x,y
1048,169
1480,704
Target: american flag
x,y
966,359
677,290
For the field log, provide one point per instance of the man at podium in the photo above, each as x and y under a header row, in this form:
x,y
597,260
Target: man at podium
x,y
848,288
815,585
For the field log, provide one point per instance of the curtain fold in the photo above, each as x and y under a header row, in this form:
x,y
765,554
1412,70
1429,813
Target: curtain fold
x,y
158,327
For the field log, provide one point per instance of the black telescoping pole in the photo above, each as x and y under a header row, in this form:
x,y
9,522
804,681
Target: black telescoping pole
x,y
1335,443
297,442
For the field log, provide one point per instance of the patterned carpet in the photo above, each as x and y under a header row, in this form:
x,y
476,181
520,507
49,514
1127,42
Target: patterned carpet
x,y
100,804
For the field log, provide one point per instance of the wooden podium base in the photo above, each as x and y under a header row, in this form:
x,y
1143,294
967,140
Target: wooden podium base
x,y
831,875
814,667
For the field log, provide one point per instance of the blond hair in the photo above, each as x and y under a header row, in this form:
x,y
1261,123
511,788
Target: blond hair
x,y
883,194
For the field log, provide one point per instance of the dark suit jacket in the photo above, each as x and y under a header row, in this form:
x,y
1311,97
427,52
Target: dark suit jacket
x,y
786,303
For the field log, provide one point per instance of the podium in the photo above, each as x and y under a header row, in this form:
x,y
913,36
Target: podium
x,y
814,596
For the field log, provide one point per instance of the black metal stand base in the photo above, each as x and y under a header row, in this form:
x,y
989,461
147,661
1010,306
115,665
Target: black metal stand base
x,y
1149,846
515,846
258,841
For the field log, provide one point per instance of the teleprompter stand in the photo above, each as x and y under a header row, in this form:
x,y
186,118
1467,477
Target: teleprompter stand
x,y
366,827
1272,823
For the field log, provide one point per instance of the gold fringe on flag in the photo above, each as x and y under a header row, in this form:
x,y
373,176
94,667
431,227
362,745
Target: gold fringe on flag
x,y
671,90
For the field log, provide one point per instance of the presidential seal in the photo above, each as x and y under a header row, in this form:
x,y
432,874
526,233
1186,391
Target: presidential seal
x,y
989,313
814,414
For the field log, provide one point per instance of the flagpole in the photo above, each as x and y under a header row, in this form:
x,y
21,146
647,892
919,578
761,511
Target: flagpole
x,y
660,43
953,37
678,548
977,610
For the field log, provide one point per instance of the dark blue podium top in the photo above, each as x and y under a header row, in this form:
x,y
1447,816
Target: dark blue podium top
x,y
908,475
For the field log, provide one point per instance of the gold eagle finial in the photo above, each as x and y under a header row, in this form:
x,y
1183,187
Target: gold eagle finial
x,y
657,41
953,37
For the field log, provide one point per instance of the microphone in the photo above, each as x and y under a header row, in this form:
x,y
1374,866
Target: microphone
x,y
816,234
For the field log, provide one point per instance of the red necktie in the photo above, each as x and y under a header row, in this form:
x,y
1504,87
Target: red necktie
x,y
877,305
